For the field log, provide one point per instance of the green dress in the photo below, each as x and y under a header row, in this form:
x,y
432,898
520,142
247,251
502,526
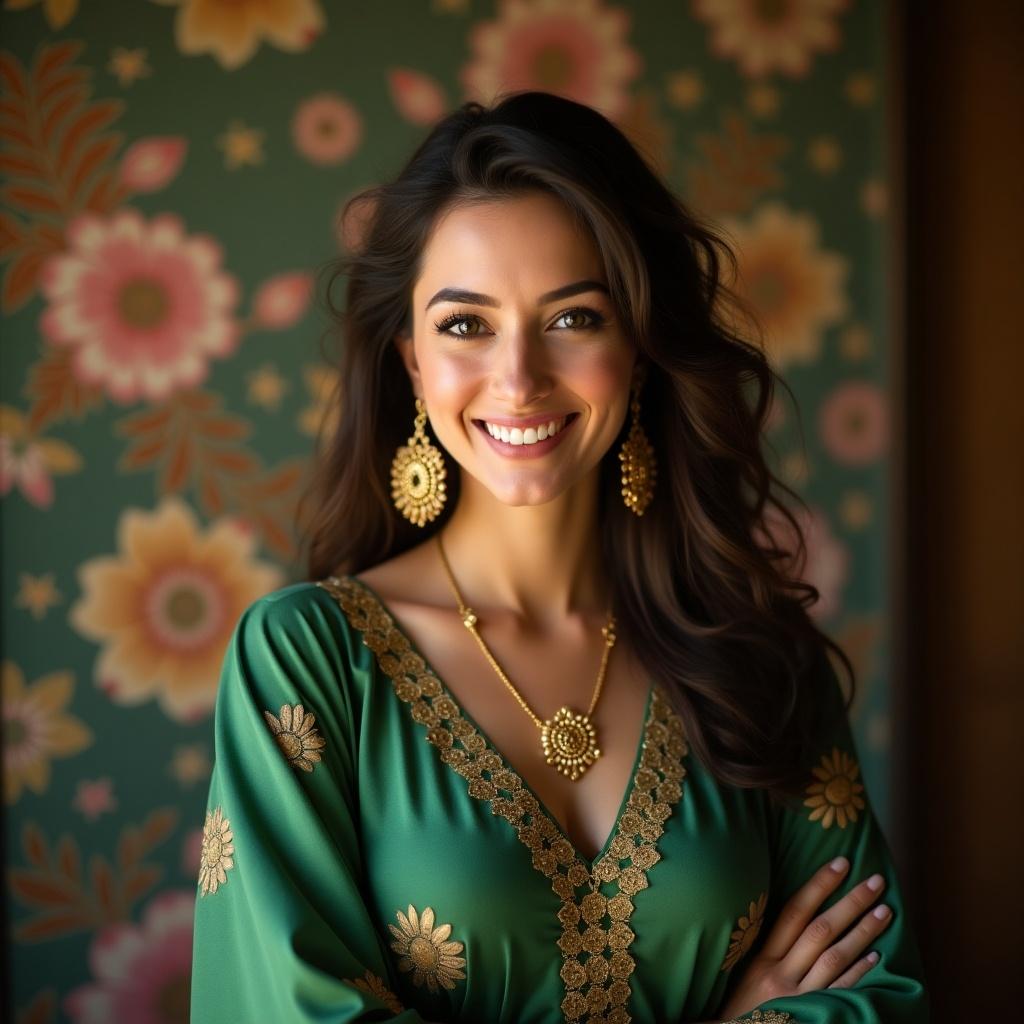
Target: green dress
x,y
368,854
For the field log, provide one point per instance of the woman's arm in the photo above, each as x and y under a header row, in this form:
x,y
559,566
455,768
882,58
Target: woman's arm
x,y
809,968
281,929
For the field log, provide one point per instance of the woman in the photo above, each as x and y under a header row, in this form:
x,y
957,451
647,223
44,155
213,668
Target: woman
x,y
549,734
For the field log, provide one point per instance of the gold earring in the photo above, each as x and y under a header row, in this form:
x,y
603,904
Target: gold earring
x,y
639,468
417,475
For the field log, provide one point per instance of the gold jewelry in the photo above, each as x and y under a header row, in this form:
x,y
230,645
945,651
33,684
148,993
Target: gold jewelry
x,y
568,738
417,475
639,468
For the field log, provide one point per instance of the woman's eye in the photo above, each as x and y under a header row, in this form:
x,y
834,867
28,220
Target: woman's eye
x,y
578,315
446,326
581,319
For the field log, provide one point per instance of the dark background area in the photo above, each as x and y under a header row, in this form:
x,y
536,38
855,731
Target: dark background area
x,y
959,805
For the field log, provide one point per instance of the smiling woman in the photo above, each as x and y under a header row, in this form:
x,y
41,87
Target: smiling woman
x,y
631,792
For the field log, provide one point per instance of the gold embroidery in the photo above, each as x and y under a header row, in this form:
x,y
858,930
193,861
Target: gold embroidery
x,y
299,741
836,794
424,951
215,858
764,1016
597,963
746,931
375,986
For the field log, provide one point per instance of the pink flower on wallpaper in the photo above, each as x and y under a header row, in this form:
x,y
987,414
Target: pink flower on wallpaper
x,y
143,305
417,97
854,423
23,465
772,37
575,48
150,164
94,797
282,301
826,560
141,971
327,128
28,462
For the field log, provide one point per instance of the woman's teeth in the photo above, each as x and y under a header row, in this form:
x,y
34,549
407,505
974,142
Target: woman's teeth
x,y
531,435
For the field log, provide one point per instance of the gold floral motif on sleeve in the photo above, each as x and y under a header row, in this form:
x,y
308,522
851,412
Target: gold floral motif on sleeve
x,y
835,796
215,859
426,950
764,1017
743,936
375,986
293,730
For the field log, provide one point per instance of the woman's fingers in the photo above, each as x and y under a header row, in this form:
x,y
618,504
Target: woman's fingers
x,y
846,951
801,906
856,972
825,929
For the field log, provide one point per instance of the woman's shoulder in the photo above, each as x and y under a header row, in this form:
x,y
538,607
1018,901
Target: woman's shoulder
x,y
306,611
289,600
294,645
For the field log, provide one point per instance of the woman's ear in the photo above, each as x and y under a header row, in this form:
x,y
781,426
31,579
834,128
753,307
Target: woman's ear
x,y
640,369
403,342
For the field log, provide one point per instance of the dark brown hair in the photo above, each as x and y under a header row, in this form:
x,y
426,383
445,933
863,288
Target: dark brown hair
x,y
706,592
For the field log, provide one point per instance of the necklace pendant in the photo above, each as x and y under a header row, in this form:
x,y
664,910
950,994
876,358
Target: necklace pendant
x,y
570,742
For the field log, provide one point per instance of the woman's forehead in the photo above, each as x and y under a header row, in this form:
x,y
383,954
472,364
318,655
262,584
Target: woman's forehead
x,y
507,253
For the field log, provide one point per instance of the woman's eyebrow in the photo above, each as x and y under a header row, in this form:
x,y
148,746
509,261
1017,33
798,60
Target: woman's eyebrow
x,y
479,299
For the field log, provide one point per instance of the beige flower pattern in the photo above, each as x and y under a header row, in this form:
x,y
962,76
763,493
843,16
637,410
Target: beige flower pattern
x,y
215,859
763,1017
747,928
427,951
293,730
835,796
375,986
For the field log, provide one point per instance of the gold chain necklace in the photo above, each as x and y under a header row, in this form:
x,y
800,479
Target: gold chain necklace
x,y
568,737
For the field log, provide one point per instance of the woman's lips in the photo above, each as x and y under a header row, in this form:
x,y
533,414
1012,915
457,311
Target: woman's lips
x,y
526,451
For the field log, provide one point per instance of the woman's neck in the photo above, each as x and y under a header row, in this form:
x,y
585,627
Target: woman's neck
x,y
541,562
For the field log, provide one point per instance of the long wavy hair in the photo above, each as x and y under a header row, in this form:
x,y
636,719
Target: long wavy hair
x,y
703,585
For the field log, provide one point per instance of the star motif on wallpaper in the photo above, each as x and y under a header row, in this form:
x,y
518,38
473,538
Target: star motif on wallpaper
x,y
128,65
37,593
861,89
241,145
190,764
685,89
266,387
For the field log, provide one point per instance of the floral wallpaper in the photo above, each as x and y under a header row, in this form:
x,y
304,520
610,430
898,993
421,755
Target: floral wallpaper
x,y
172,173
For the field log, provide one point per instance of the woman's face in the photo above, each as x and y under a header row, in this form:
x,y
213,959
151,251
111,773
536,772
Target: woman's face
x,y
539,341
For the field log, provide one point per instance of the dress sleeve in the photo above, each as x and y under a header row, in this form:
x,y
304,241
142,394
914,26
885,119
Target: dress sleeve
x,y
834,817
282,932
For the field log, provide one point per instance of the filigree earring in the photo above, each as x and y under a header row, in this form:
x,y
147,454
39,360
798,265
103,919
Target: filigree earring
x,y
417,475
639,468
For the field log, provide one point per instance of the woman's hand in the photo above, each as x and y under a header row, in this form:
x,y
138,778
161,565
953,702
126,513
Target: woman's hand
x,y
801,954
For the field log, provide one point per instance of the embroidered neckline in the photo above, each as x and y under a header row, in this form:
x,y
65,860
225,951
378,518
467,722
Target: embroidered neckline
x,y
597,987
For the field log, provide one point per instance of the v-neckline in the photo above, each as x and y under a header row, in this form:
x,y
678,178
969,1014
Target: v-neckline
x,y
588,862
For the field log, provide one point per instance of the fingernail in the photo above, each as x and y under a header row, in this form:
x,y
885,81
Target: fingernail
x,y
881,912
839,864
875,883
872,957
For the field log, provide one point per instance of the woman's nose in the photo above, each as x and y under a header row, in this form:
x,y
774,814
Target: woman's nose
x,y
521,372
